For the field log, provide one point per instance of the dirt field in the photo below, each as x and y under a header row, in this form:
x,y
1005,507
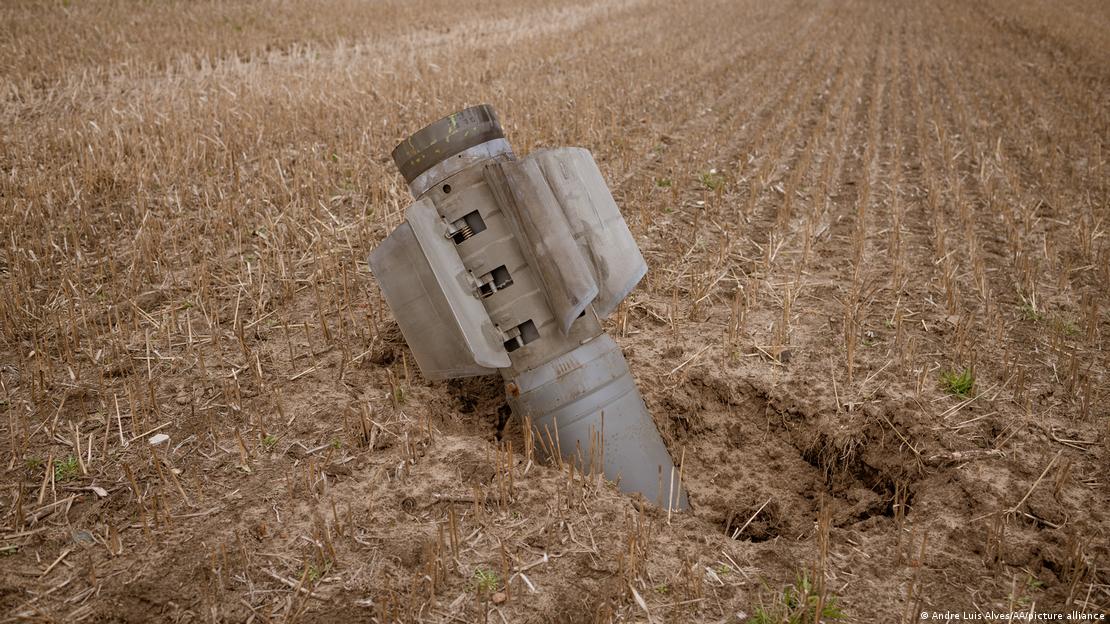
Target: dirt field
x,y
875,323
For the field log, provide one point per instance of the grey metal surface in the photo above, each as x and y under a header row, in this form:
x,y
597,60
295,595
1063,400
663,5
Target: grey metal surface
x,y
598,226
424,282
506,265
445,138
451,165
496,246
588,395
541,228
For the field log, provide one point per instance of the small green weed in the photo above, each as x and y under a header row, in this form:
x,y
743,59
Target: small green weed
x,y
315,573
269,441
712,180
1066,327
664,182
958,383
486,581
1029,312
65,469
797,604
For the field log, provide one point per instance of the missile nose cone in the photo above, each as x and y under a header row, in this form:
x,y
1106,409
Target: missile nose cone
x,y
445,138
585,406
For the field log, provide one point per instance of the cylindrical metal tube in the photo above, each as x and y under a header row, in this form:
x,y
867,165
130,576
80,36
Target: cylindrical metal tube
x,y
447,137
585,405
568,377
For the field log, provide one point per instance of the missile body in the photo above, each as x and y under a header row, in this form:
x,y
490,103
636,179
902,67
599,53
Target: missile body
x,y
506,265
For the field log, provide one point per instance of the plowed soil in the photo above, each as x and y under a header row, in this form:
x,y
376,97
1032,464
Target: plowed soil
x,y
845,208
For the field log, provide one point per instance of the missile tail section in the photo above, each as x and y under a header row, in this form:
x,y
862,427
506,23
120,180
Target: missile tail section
x,y
506,265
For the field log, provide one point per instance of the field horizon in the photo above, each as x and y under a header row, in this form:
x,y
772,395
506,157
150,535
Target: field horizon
x,y
873,329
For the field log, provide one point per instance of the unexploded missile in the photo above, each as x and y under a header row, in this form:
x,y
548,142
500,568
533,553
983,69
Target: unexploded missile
x,y
507,265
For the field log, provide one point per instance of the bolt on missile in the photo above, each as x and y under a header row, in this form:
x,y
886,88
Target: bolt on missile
x,y
507,265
